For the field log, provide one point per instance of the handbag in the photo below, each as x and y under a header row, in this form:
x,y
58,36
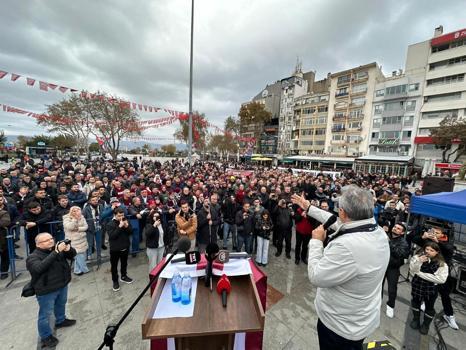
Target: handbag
x,y
28,290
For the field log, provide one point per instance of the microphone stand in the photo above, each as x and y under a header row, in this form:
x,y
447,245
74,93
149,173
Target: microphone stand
x,y
111,331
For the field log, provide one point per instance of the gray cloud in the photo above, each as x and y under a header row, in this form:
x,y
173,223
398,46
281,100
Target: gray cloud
x,y
140,49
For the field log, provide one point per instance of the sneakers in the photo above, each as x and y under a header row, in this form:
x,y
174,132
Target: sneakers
x,y
66,323
49,342
126,279
116,286
423,307
390,312
451,321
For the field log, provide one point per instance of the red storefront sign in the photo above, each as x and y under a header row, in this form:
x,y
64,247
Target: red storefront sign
x,y
448,37
423,140
449,166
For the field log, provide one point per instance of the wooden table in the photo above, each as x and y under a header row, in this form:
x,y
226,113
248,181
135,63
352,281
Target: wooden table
x,y
212,326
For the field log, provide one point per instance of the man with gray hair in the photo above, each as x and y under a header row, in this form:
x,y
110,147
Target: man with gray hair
x,y
348,272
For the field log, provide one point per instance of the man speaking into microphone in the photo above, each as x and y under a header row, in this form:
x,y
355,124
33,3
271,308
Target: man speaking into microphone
x,y
348,272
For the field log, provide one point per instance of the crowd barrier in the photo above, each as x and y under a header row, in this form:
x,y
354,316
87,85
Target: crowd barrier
x,y
56,230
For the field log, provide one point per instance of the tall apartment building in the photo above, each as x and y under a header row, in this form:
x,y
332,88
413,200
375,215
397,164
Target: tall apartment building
x,y
395,114
443,60
350,105
292,88
311,115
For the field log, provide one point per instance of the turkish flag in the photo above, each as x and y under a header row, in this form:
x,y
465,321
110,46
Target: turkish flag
x,y
43,86
52,86
2,74
14,76
134,105
145,108
30,81
150,108
63,89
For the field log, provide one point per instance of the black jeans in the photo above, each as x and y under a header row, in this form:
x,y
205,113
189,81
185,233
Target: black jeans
x,y
300,250
115,256
392,274
444,291
429,302
329,340
283,234
5,260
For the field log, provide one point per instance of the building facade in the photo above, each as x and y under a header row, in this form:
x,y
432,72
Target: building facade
x,y
443,60
349,111
292,88
311,116
396,108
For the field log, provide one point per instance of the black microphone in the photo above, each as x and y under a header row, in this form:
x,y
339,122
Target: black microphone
x,y
330,221
211,252
183,245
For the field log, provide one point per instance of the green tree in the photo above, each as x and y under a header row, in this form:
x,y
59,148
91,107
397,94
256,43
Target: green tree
x,y
2,138
254,112
63,142
22,141
450,137
168,149
33,141
145,149
232,125
94,147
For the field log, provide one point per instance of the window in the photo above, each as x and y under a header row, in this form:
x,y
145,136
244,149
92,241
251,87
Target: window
x,y
338,137
354,139
319,142
321,120
341,92
395,90
379,93
308,110
426,147
343,79
306,142
359,88
341,105
378,109
375,135
408,120
307,132
320,131
376,123
339,126
391,120
406,135
321,109
440,114
356,114
451,79
411,105
423,132
355,125
413,87
324,98
389,134
339,115
358,101
440,48
361,75
443,97
457,43
394,106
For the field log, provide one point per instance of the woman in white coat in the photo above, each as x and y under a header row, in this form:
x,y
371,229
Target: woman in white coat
x,y
75,227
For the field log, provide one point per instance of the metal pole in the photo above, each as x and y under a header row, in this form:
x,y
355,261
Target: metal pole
x,y
190,130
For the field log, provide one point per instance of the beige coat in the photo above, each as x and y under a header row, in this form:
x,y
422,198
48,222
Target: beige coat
x,y
76,232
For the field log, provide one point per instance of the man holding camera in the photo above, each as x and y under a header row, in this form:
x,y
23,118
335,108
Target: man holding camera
x,y
50,274
119,231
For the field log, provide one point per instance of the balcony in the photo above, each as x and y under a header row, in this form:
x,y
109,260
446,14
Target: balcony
x,y
341,94
343,81
339,118
356,117
391,127
391,141
400,95
338,129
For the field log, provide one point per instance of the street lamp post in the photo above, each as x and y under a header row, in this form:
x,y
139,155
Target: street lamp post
x,y
190,131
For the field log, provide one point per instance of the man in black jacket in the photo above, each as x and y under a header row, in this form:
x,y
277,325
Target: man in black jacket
x,y
119,231
35,220
229,210
399,250
245,227
50,275
283,225
4,224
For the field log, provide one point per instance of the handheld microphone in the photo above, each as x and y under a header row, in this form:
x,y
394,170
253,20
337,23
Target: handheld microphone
x,y
183,245
223,256
224,288
330,221
211,253
192,258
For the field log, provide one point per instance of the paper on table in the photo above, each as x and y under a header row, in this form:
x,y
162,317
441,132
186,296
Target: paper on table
x,y
166,308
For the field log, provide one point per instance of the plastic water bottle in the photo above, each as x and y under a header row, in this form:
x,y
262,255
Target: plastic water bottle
x,y
176,287
186,289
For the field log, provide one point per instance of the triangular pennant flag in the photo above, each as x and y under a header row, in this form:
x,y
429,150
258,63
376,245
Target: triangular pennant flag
x,y
150,108
145,108
2,74
52,86
43,86
133,105
63,89
14,76
73,90
140,106
30,81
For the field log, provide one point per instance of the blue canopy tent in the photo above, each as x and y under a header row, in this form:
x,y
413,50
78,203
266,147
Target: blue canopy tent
x,y
450,206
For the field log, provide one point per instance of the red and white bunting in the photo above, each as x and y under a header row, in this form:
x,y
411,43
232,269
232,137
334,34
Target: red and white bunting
x,y
2,74
15,77
30,81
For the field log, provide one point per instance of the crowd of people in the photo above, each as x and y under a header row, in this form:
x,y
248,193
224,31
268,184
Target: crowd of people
x,y
99,205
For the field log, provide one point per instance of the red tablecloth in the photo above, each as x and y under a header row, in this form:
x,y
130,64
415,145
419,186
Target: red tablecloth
x,y
253,339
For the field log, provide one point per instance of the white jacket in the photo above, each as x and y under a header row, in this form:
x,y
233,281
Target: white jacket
x,y
348,275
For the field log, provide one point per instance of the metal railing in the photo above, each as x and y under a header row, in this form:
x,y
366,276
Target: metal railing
x,y
57,231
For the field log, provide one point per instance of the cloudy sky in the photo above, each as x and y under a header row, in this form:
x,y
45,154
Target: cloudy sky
x,y
139,49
